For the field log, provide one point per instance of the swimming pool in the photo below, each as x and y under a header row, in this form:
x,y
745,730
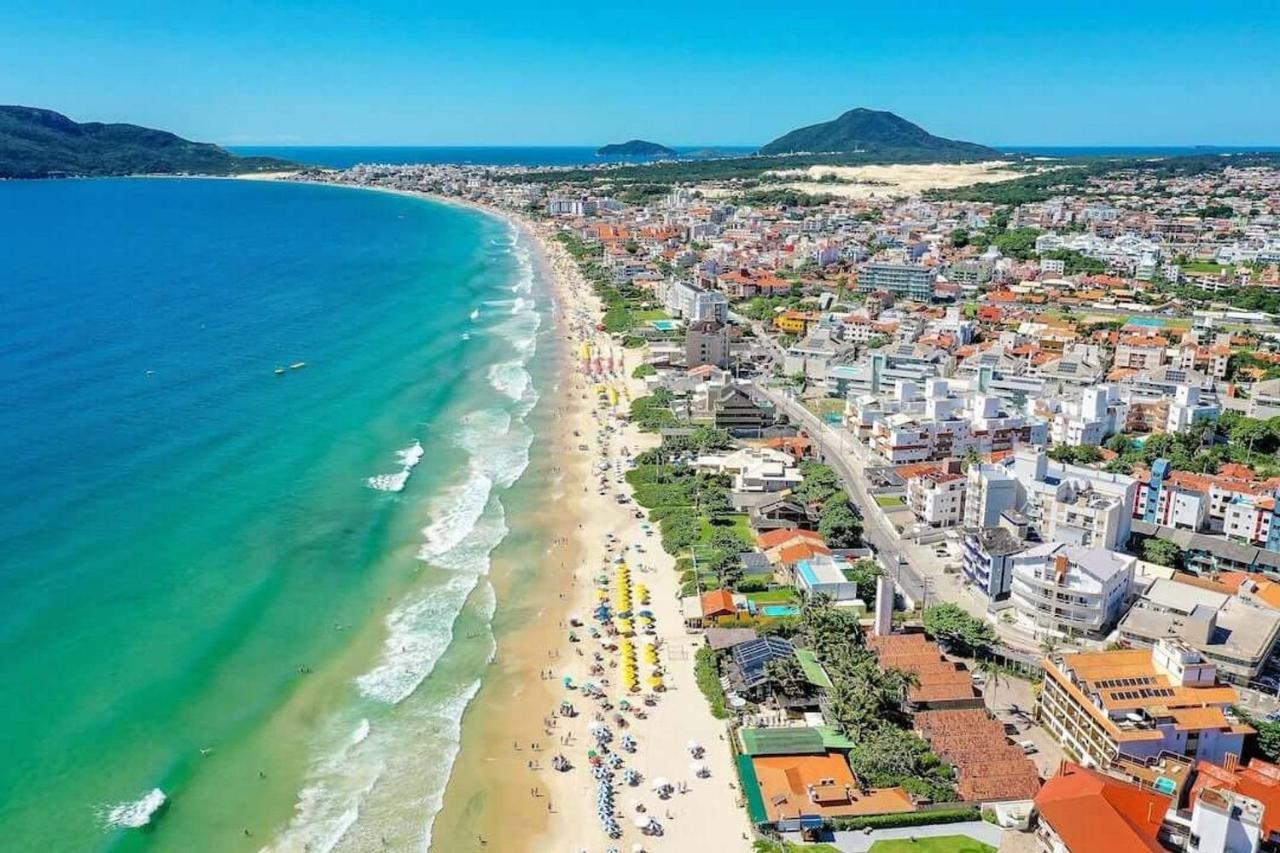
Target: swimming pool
x,y
664,325
779,610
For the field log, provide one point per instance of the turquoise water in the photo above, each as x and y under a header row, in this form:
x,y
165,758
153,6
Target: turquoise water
x,y
231,586
779,610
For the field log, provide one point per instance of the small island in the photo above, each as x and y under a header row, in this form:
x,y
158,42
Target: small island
x,y
636,148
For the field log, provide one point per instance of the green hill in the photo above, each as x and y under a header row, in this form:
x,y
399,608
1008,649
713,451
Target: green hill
x,y
636,148
877,133
37,143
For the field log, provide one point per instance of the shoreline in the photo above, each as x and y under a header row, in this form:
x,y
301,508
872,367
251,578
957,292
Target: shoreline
x,y
502,792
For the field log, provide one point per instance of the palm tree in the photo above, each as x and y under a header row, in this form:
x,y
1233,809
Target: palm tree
x,y
787,677
992,674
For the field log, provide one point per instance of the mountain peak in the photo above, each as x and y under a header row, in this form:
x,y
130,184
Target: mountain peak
x,y
877,133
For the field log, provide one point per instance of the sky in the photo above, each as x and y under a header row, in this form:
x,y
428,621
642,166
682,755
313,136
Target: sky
x,y
394,72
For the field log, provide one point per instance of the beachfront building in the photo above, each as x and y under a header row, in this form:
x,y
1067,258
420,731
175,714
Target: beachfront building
x,y
1140,703
687,301
706,342
803,790
754,469
1070,590
824,574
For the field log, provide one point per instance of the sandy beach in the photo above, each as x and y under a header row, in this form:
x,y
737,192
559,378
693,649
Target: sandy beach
x,y
701,810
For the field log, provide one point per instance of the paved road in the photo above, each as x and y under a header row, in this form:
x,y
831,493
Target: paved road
x,y
832,449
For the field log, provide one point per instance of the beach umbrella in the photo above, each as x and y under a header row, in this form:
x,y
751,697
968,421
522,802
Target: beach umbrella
x,y
655,682
642,821
660,784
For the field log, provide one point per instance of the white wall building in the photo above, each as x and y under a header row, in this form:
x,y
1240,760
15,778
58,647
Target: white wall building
x,y
1071,590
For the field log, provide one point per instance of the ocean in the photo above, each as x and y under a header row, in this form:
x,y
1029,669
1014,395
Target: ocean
x,y
342,157
246,608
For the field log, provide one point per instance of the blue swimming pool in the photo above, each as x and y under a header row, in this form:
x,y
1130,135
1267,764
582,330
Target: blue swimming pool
x,y
779,610
664,325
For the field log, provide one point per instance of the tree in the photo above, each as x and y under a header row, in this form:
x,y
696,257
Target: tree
x,y
1268,739
954,628
820,483
786,676
1119,443
838,524
716,503
1162,552
710,438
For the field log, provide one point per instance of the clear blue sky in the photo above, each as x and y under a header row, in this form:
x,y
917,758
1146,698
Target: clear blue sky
x,y
561,73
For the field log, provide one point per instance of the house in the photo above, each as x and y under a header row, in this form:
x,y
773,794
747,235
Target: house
x,y
823,574
784,547
1085,811
989,767
1140,703
779,511
718,603
754,469
819,786
749,661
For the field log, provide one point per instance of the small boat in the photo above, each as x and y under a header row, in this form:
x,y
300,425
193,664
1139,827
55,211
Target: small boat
x,y
279,371
297,365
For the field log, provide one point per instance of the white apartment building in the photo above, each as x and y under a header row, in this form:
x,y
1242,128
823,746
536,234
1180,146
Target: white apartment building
x,y
1186,409
945,425
1089,420
1065,503
690,302
1070,590
989,491
937,498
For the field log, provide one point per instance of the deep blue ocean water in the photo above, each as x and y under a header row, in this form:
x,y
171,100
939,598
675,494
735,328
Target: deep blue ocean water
x,y
212,587
341,157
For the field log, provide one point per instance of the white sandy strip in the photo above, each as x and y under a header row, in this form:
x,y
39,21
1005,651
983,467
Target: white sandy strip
x,y
708,816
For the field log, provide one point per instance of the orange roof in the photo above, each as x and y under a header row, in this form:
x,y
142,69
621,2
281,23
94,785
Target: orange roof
x,y
718,602
774,538
1258,779
804,551
792,785
1092,812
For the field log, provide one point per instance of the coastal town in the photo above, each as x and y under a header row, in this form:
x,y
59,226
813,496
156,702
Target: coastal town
x,y
940,516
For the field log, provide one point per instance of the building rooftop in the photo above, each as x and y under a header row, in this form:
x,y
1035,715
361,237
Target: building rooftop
x,y
1094,813
821,785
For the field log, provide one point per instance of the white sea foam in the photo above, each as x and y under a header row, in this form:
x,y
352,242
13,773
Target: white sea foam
x,y
408,458
475,314
136,814
356,793
451,711
362,731
511,379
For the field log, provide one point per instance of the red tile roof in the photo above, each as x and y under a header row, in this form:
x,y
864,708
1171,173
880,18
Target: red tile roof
x,y
1093,813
